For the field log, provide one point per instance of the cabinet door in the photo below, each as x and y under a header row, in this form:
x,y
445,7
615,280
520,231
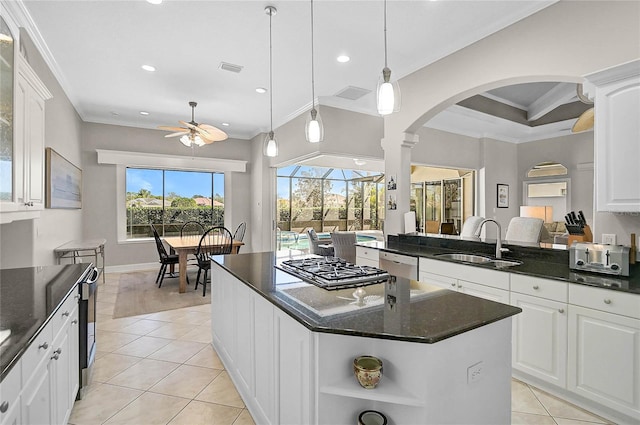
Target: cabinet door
x,y
437,280
74,357
12,415
294,367
60,369
34,148
483,291
540,338
604,354
264,358
244,337
36,400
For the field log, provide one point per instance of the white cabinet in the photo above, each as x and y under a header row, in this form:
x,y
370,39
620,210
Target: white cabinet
x,y
367,256
64,362
604,347
28,149
616,93
10,397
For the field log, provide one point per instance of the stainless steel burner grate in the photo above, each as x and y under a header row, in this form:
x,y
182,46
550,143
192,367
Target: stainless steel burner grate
x,y
333,272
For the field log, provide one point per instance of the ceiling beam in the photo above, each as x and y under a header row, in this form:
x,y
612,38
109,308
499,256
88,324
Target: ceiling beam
x,y
558,95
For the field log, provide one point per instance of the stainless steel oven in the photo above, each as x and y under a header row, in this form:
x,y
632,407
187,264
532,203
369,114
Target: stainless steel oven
x,y
88,296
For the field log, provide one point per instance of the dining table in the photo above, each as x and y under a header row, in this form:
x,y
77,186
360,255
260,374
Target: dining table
x,y
186,245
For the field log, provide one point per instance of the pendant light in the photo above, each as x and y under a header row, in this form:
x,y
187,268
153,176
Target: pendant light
x,y
270,142
388,91
314,130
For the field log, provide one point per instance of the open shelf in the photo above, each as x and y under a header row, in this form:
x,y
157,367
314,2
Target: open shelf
x,y
387,391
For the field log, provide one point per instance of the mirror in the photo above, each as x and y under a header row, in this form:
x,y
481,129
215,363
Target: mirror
x,y
6,111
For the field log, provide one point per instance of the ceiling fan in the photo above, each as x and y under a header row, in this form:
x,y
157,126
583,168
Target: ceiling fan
x,y
586,120
194,133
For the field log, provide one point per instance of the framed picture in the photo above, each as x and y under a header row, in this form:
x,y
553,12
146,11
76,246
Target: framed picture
x,y
503,196
63,182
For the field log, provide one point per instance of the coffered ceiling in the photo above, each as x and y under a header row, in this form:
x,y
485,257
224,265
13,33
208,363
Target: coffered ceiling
x,y
96,50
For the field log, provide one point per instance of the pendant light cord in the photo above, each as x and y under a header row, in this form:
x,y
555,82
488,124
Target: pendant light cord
x,y
313,83
385,33
270,75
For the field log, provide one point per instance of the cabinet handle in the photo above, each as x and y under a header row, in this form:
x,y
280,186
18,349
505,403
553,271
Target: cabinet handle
x,y
58,351
607,301
536,287
29,204
561,310
453,284
4,406
55,356
76,297
74,321
459,286
65,314
44,345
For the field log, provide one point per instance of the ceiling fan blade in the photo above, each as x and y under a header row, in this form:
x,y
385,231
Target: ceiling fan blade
x,y
174,129
179,133
188,124
215,133
584,122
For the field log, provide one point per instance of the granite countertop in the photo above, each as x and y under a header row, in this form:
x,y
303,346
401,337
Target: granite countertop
x,y
28,298
538,262
403,309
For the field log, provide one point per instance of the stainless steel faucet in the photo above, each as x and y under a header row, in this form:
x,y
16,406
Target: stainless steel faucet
x,y
498,238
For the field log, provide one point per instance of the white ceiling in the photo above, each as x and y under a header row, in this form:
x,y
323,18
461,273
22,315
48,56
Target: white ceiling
x,y
96,49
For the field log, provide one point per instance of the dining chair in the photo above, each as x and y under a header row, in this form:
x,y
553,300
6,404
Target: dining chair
x,y
344,246
432,226
524,229
165,259
215,241
448,229
191,228
470,226
238,235
314,245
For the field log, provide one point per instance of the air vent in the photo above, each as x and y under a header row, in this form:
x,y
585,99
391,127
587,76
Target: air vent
x,y
352,93
230,67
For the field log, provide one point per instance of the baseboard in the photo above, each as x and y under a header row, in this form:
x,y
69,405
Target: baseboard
x,y
124,268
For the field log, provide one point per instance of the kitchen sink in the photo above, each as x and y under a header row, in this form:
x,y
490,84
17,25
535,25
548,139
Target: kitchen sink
x,y
465,258
479,259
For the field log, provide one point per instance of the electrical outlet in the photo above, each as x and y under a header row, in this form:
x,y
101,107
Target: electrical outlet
x,y
475,372
609,238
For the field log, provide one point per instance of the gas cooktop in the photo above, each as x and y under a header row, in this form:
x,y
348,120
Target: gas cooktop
x,y
333,273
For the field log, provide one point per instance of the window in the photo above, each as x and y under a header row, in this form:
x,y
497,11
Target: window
x,y
169,198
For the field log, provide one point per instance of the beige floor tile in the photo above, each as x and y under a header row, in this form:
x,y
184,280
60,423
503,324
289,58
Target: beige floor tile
x,y
204,308
143,327
101,354
171,330
144,374
143,346
193,317
107,290
562,409
178,351
107,323
201,413
529,419
221,391
111,341
244,418
185,381
564,421
110,365
198,334
100,403
206,357
524,401
108,297
168,315
150,409
105,308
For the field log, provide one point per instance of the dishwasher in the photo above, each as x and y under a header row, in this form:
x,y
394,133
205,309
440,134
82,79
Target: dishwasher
x,y
399,265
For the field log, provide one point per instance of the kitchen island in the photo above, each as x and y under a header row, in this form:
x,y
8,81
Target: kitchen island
x,y
289,346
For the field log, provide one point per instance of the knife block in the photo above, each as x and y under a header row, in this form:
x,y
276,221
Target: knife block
x,y
587,237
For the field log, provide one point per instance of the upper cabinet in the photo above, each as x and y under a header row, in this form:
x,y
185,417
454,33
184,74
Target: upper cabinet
x,y
23,138
616,92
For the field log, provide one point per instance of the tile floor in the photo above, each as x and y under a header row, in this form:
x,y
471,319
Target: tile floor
x,y
160,368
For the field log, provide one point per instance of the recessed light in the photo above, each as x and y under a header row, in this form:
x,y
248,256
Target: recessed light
x,y
144,113
359,161
261,90
154,1
114,113
343,58
149,68
226,124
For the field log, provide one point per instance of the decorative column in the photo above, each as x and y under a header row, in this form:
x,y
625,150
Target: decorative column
x,y
397,170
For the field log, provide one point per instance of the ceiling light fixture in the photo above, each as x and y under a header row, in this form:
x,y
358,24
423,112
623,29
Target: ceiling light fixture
x,y
314,130
144,113
343,58
149,68
358,161
270,143
586,120
261,90
226,124
388,90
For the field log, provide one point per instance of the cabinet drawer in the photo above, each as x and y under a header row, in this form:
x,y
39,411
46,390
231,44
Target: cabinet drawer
x,y
368,253
64,313
608,300
10,390
39,350
493,278
441,281
544,288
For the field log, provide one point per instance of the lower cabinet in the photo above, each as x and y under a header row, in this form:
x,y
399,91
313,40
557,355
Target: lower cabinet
x,y
367,256
36,396
604,358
